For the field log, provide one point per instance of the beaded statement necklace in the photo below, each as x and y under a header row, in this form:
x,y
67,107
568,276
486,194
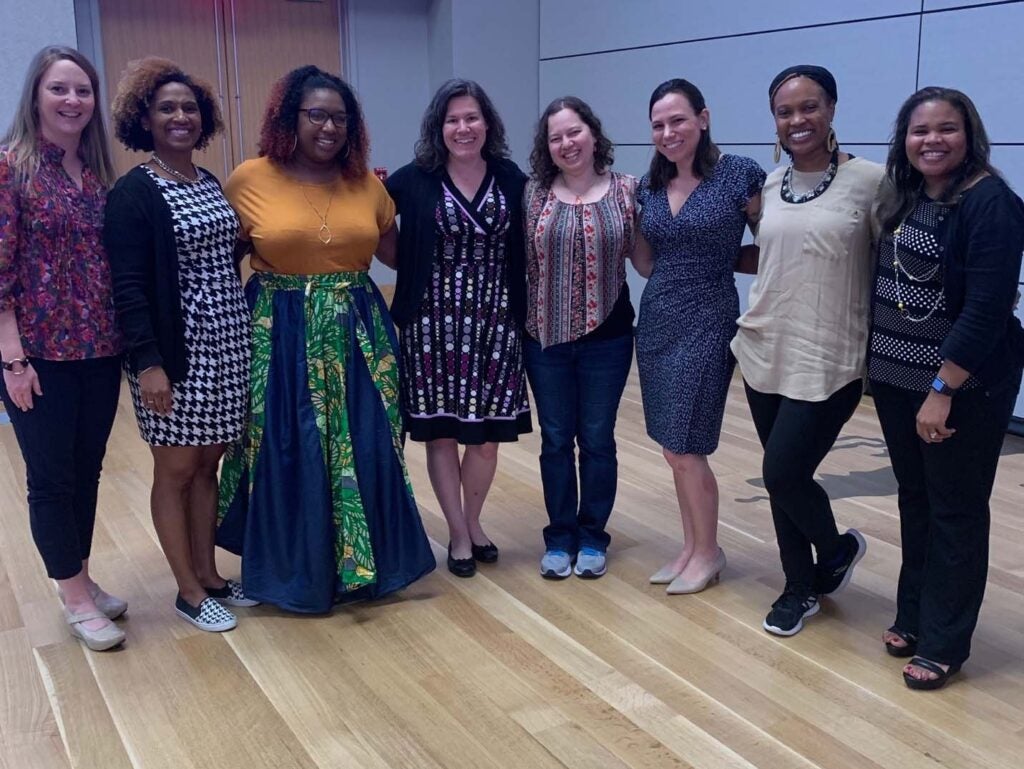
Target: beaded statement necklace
x,y
176,174
899,269
786,191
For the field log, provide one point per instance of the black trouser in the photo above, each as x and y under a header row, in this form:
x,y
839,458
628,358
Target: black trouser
x,y
796,436
943,496
63,438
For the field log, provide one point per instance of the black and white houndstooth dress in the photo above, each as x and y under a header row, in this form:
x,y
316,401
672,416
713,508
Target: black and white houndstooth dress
x,y
209,405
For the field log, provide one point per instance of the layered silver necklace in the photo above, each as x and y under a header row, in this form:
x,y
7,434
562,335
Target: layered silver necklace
x,y
899,269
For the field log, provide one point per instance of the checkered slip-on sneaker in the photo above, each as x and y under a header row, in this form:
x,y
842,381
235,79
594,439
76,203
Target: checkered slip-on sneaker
x,y
231,594
209,615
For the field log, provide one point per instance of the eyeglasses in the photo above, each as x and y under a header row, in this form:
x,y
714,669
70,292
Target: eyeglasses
x,y
321,116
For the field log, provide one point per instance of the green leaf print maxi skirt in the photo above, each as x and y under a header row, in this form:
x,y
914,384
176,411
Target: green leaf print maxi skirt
x,y
316,497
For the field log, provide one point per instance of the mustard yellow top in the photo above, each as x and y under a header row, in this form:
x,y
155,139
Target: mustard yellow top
x,y
282,218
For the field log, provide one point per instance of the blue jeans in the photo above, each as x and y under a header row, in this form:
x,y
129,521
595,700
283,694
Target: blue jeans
x,y
576,389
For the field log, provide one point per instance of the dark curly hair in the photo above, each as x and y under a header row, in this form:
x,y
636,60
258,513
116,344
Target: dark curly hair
x,y
544,168
278,132
140,81
431,154
662,170
906,180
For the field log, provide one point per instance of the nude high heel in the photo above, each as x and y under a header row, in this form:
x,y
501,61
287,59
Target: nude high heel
x,y
665,575
680,586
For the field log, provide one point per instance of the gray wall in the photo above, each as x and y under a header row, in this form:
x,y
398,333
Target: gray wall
x,y
28,26
613,53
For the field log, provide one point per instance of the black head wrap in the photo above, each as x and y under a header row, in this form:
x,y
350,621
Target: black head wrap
x,y
819,75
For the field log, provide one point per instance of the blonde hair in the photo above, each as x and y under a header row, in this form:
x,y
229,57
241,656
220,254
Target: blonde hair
x,y
22,137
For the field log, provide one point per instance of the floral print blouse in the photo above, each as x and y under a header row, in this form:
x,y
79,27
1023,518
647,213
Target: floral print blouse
x,y
576,259
54,272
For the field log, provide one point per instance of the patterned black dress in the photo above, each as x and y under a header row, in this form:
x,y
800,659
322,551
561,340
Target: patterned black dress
x,y
462,355
209,405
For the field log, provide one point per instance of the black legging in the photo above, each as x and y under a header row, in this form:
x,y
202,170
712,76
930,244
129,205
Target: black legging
x,y
796,436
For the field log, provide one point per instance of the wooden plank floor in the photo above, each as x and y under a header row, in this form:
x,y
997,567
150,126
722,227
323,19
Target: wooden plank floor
x,y
509,670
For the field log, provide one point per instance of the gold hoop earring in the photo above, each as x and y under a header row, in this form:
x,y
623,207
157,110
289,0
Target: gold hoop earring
x,y
833,142
778,150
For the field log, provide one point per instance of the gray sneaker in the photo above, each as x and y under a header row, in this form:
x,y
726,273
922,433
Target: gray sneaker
x,y
556,564
590,563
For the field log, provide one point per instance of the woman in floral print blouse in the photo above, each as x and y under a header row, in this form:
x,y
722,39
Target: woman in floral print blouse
x,y
58,338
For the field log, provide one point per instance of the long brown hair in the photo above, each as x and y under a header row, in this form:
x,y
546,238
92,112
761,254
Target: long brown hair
x,y
22,138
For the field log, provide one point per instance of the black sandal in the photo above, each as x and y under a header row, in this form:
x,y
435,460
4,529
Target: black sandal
x,y
909,648
929,684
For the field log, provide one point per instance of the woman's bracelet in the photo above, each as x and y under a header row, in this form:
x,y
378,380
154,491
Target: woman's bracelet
x,y
8,365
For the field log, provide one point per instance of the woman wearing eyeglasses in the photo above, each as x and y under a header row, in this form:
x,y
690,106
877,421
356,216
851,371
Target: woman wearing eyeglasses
x,y
316,497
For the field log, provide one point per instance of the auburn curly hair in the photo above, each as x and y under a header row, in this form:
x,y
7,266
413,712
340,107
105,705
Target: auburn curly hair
x,y
278,132
140,81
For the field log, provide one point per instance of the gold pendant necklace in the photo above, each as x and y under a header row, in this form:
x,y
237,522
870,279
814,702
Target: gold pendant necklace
x,y
324,233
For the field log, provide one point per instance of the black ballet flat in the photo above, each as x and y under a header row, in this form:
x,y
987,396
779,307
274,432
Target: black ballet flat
x,y
485,553
929,684
460,567
909,649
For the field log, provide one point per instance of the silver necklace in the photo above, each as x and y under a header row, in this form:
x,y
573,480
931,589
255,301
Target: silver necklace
x,y
898,269
176,174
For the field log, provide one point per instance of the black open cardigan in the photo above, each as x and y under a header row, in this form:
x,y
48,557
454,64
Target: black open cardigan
x,y
139,237
982,238
416,194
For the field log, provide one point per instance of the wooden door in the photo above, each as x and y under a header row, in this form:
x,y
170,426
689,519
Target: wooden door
x,y
189,33
268,38
240,47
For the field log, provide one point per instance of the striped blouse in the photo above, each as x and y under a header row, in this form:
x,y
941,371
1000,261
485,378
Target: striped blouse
x,y
576,259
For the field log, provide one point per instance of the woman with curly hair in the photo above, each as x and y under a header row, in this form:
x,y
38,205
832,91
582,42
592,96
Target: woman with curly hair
x,y
59,343
581,228
170,234
460,304
316,498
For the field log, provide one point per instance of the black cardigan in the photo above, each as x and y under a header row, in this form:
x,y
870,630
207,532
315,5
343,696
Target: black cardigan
x,y
139,236
416,194
982,237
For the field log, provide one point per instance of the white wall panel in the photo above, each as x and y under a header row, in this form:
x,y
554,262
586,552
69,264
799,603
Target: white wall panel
x,y
1010,162
978,51
933,5
28,27
734,75
581,26
495,43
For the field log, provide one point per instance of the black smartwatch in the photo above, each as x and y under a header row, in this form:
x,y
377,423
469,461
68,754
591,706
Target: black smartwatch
x,y
940,386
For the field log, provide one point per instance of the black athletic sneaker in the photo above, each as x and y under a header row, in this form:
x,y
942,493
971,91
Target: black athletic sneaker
x,y
788,613
832,579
